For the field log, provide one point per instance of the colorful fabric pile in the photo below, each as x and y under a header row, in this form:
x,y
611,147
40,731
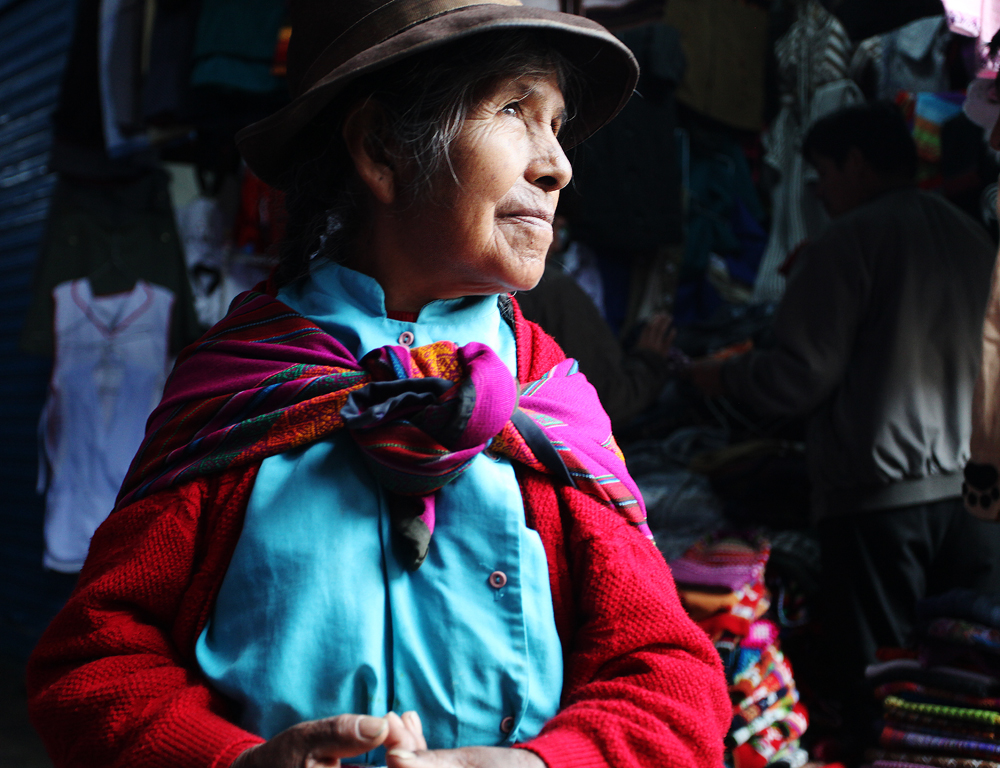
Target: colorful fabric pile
x,y
721,582
941,703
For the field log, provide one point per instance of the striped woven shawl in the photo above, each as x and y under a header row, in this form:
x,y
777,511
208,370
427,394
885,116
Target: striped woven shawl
x,y
266,380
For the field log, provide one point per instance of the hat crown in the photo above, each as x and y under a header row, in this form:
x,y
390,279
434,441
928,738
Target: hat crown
x,y
325,33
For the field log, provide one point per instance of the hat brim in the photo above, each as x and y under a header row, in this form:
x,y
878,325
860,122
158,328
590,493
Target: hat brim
x,y
608,69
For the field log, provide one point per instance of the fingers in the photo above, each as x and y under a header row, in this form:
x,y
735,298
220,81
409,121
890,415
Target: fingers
x,y
343,736
405,732
466,757
412,720
318,743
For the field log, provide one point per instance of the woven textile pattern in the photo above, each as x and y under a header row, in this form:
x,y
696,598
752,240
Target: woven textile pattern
x,y
266,380
883,757
935,714
892,737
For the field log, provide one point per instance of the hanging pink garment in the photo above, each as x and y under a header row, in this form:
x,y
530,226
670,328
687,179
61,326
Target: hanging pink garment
x,y
975,18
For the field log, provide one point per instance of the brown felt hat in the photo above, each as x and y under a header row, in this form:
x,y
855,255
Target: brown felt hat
x,y
334,42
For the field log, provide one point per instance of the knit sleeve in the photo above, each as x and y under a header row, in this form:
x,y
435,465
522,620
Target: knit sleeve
x,y
643,686
113,681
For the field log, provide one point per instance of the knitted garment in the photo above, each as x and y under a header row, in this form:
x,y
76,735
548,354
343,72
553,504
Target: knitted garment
x,y
911,670
762,748
931,727
917,758
265,380
722,560
762,634
771,709
748,659
965,604
750,677
776,676
752,602
893,764
975,659
893,737
114,683
702,605
965,633
910,691
984,719
733,563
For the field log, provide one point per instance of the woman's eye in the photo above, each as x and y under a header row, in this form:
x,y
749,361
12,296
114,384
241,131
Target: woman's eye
x,y
514,108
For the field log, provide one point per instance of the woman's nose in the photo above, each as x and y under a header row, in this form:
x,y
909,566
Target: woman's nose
x,y
550,169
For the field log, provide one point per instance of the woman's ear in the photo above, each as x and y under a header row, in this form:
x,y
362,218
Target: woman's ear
x,y
364,123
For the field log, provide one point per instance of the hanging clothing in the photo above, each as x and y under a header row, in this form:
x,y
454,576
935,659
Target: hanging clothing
x,y
78,146
235,45
218,273
131,221
166,89
121,30
725,45
628,174
913,58
975,18
111,364
813,58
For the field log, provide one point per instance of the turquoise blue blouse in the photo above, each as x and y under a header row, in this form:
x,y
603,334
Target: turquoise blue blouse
x,y
316,617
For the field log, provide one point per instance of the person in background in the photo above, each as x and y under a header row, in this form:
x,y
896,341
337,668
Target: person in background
x,y
374,487
877,341
981,490
628,382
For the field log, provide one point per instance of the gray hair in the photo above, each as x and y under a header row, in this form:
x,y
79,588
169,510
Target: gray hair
x,y
425,103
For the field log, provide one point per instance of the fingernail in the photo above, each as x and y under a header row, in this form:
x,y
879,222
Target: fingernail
x,y
412,717
370,727
403,754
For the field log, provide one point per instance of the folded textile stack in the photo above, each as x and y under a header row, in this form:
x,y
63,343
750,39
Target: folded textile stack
x,y
721,583
941,706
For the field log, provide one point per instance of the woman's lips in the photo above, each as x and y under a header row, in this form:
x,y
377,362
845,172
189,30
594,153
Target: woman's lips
x,y
534,216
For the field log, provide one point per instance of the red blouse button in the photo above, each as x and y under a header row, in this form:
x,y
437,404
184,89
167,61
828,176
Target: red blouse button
x,y
507,724
406,338
498,579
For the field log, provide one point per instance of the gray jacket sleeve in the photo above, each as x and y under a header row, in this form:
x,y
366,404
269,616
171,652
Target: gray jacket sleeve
x,y
815,327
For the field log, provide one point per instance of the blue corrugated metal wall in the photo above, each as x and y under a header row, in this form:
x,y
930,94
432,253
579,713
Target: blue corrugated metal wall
x,y
34,38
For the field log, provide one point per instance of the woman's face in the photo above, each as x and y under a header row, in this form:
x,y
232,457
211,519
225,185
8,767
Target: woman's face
x,y
488,228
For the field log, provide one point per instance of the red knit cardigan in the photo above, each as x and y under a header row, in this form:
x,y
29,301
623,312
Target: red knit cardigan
x,y
114,682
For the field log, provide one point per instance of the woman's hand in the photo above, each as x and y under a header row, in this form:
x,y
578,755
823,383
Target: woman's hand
x,y
321,743
466,757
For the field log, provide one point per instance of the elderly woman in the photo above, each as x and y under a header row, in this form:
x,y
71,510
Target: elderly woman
x,y
374,488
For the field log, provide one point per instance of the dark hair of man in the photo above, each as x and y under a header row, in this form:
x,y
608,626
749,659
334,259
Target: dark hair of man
x,y
877,130
424,103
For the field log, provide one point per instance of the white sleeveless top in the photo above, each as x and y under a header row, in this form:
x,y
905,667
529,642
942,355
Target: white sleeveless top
x,y
110,367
